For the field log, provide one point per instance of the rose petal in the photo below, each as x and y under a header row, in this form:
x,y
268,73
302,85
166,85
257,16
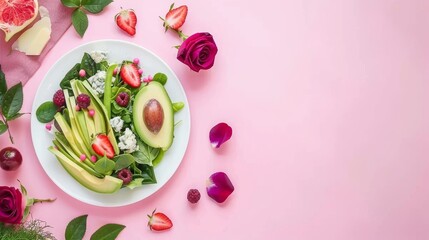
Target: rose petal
x,y
219,134
219,187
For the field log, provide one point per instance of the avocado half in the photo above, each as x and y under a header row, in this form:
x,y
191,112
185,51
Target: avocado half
x,y
162,137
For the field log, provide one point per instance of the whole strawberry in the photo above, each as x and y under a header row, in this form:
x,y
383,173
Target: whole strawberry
x,y
159,221
127,21
175,17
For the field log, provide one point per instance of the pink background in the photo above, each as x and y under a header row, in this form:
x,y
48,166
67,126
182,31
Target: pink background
x,y
328,102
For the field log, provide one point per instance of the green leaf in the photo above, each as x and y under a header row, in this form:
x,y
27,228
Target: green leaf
x,y
135,183
95,6
104,165
146,154
71,3
161,78
70,75
123,161
88,64
147,174
3,127
108,232
177,106
76,228
3,86
46,112
102,66
12,101
80,21
15,116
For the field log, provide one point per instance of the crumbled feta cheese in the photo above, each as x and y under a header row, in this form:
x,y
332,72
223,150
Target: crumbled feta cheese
x,y
97,82
117,123
98,56
128,142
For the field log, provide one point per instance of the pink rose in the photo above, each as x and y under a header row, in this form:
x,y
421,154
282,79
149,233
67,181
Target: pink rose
x,y
198,51
12,205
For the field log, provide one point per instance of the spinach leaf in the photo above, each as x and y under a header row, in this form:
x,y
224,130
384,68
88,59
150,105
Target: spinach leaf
x,y
147,174
70,75
46,112
161,78
104,166
88,65
123,161
135,183
146,154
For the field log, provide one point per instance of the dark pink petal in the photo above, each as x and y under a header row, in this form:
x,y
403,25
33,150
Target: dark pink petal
x,y
220,134
219,187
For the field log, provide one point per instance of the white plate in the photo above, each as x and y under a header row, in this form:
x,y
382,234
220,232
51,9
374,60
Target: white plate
x,y
117,51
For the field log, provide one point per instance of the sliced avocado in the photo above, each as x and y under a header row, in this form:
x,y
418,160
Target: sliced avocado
x,y
99,121
108,184
74,127
79,120
156,133
109,131
64,145
65,128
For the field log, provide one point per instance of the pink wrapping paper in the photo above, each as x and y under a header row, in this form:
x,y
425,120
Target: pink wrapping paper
x,y
19,67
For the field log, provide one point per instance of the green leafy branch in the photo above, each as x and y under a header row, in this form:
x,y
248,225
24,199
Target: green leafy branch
x,y
10,104
79,17
77,227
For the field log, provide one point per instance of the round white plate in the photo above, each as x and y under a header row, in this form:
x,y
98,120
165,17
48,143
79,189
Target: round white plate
x,y
117,51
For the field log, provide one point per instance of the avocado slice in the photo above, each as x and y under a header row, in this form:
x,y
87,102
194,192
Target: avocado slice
x,y
160,136
108,184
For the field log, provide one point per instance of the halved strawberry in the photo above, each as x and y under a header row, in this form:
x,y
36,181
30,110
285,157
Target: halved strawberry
x,y
159,221
130,75
127,20
176,17
102,146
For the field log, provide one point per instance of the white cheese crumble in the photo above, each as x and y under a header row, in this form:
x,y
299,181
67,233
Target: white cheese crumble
x,y
97,82
128,142
98,56
117,123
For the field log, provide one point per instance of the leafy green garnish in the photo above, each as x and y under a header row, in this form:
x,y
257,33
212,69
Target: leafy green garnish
x,y
160,77
70,75
46,112
88,65
123,161
146,154
76,228
135,183
104,166
147,173
79,17
108,232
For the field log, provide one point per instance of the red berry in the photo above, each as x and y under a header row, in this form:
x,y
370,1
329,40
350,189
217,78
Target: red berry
x,y
83,100
122,99
126,175
127,20
175,17
194,195
159,221
10,159
59,99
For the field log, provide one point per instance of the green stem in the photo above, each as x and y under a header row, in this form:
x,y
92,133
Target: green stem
x,y
8,129
35,200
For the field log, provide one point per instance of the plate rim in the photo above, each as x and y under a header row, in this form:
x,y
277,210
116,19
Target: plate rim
x,y
34,118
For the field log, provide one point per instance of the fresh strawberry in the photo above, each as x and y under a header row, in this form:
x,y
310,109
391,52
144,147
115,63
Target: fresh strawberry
x,y
176,17
127,20
102,146
130,75
159,221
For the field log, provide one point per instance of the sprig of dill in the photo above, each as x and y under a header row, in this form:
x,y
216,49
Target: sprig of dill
x,y
32,229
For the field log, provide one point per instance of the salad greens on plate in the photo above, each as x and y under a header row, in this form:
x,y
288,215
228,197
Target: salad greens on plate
x,y
111,124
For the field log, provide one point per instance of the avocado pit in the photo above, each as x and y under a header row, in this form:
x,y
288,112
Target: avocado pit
x,y
153,116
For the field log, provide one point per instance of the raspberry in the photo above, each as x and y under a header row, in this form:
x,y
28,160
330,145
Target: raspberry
x,y
59,99
83,100
122,99
194,195
126,175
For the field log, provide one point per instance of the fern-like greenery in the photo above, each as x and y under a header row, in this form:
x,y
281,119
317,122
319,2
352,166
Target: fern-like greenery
x,y
30,230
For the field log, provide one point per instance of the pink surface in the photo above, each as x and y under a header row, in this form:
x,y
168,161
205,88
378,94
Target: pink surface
x,y
328,102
